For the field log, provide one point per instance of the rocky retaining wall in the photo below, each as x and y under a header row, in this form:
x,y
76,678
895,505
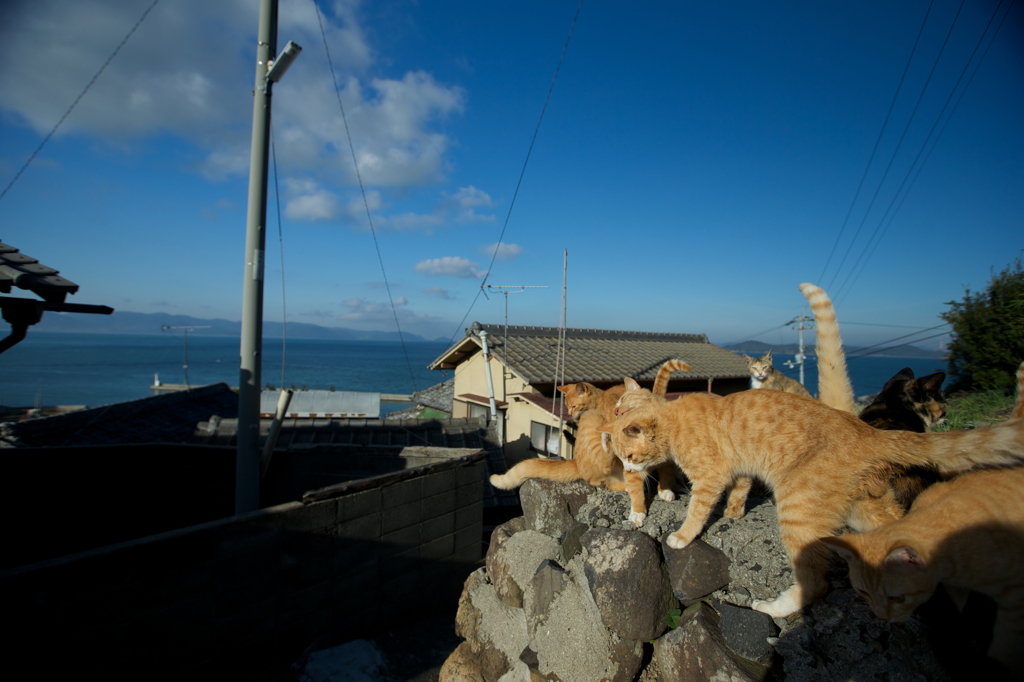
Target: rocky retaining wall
x,y
573,592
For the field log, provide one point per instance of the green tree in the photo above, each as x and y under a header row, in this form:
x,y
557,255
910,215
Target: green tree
x,y
988,333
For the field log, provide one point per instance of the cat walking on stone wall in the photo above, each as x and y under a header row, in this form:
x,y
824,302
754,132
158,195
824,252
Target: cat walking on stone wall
x,y
825,467
763,375
592,460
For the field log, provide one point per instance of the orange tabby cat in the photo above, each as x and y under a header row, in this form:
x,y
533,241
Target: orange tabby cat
x,y
967,533
592,462
824,466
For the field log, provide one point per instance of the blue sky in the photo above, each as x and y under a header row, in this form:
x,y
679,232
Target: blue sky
x,y
697,160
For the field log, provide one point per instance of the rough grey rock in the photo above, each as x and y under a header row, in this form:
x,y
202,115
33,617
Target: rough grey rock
x,y
696,650
509,591
570,640
696,570
516,562
495,632
550,507
570,541
629,583
746,632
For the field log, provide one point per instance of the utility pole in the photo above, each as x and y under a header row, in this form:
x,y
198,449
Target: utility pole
x,y
800,357
184,367
268,71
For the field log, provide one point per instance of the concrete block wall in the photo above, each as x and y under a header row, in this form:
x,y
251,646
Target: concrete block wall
x,y
244,596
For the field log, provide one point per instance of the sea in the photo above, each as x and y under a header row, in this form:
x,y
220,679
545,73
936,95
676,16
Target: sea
x,y
50,368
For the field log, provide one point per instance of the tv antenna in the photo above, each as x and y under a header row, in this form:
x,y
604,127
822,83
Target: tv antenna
x,y
800,357
506,290
166,327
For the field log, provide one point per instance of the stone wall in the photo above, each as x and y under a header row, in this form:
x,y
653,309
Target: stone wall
x,y
572,591
241,595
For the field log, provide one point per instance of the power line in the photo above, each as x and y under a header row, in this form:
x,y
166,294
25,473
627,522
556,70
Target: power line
x,y
362,190
917,174
78,99
522,172
899,144
901,345
861,351
871,158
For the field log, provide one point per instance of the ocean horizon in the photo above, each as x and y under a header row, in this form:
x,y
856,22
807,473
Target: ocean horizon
x,y
50,368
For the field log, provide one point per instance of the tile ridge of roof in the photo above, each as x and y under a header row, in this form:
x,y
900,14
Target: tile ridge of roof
x,y
528,329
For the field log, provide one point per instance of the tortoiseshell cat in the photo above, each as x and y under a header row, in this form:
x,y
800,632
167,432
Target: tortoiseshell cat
x,y
967,533
826,467
907,403
763,375
592,461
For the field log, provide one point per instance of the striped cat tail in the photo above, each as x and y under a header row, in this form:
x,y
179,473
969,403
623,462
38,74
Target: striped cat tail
x,y
957,451
665,372
1018,407
834,387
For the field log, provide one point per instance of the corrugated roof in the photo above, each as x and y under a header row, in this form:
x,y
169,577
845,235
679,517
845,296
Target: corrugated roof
x,y
596,354
324,404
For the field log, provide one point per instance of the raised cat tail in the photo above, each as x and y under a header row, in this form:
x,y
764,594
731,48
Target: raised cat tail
x,y
834,387
665,373
1018,406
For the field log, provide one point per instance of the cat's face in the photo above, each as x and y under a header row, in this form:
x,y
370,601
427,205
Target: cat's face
x,y
636,442
760,367
579,398
893,579
925,395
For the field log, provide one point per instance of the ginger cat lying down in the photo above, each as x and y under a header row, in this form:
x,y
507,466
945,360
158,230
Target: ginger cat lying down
x,y
592,461
826,468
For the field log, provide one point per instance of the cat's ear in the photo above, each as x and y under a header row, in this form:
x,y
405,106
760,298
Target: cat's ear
x,y
843,547
745,357
566,388
905,373
606,441
582,388
932,382
905,558
631,385
768,355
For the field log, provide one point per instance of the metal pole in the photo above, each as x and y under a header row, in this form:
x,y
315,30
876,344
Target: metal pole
x,y
247,459
487,368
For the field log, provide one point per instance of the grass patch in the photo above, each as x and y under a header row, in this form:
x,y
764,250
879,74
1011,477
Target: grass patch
x,y
964,411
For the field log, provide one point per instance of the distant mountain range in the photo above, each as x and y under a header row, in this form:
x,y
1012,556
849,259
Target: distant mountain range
x,y
905,351
151,323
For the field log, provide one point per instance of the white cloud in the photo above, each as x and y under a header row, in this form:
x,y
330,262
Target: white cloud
x,y
504,251
320,205
443,294
188,70
450,266
466,201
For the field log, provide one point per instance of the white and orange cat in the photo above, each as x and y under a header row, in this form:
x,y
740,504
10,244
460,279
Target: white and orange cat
x,y
764,375
826,468
592,461
968,534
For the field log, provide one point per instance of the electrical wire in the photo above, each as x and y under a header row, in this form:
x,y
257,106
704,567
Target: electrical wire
x,y
522,173
917,173
899,144
77,100
871,158
861,351
362,190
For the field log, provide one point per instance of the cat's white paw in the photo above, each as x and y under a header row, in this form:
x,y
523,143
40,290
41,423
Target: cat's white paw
x,y
785,605
666,495
675,543
637,518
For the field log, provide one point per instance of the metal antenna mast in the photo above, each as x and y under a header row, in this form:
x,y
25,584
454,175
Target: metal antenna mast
x,y
512,289
800,357
165,327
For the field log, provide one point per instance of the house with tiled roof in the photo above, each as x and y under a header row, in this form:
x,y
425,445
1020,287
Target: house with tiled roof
x,y
525,367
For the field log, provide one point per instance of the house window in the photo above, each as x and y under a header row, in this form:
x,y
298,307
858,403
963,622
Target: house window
x,y
544,439
479,411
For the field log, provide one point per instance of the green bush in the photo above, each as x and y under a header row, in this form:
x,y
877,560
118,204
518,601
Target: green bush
x,y
988,333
